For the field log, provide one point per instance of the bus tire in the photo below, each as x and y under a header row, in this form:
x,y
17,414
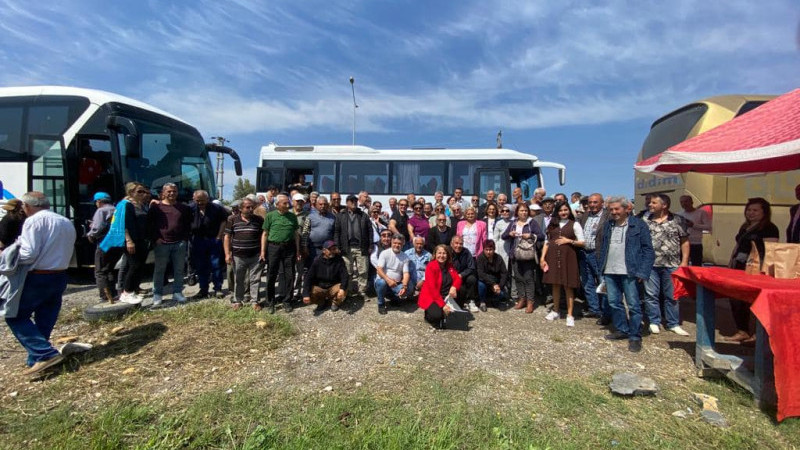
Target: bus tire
x,y
106,311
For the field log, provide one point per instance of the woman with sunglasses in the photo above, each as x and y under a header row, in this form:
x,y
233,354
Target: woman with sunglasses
x,y
438,209
418,224
136,243
503,247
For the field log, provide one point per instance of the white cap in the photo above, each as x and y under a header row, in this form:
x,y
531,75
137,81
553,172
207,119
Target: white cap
x,y
298,197
536,207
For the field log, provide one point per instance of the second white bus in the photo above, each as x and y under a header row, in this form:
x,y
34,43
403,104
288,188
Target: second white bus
x,y
349,169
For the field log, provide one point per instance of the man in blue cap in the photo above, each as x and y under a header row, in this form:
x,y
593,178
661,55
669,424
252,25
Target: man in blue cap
x,y
104,262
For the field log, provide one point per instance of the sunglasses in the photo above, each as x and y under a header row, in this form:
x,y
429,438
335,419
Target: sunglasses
x,y
141,192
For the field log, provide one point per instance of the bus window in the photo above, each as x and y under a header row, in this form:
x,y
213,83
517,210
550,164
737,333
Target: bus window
x,y
372,177
420,178
462,174
672,129
51,120
325,177
492,180
11,132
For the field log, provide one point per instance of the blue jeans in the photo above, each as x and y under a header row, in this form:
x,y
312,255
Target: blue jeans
x,y
484,293
660,282
41,298
590,274
383,290
206,257
165,253
616,285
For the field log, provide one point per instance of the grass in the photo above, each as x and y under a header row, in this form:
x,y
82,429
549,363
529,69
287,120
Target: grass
x,y
416,409
552,413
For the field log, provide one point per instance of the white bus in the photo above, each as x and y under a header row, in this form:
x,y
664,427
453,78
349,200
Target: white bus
x,y
70,143
349,169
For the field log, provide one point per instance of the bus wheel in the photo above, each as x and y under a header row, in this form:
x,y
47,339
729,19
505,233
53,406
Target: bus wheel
x,y
107,311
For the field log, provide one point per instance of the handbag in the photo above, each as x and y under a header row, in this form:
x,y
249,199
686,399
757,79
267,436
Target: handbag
x,y
525,249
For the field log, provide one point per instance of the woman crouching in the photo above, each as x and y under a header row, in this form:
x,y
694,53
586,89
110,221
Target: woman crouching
x,y
441,280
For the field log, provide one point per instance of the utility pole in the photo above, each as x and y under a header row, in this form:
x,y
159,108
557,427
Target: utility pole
x,y
355,105
220,172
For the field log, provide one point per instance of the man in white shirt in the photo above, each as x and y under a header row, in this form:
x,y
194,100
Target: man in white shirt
x,y
393,273
697,221
45,247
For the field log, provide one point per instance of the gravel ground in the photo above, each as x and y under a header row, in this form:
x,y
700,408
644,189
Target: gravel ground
x,y
355,346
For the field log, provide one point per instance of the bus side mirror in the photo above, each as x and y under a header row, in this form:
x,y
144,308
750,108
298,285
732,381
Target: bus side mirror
x,y
562,176
123,125
237,162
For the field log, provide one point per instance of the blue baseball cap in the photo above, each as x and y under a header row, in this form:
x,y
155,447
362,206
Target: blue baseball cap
x,y
101,196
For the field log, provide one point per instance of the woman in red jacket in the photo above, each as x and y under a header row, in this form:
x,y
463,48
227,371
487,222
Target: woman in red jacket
x,y
441,280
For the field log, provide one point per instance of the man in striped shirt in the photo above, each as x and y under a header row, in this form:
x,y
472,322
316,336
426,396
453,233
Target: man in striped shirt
x,y
243,247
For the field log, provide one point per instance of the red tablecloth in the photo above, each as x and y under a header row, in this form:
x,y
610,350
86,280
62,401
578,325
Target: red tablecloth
x,y
776,303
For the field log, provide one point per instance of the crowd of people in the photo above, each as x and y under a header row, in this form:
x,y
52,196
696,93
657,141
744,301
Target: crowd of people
x,y
446,255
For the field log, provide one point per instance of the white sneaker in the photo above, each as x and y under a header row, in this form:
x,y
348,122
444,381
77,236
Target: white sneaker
x,y
552,316
570,321
472,307
178,297
156,299
654,329
679,331
129,298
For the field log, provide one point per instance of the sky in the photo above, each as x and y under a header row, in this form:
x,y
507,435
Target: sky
x,y
574,82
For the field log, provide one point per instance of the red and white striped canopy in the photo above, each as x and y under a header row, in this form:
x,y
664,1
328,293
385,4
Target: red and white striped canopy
x,y
766,139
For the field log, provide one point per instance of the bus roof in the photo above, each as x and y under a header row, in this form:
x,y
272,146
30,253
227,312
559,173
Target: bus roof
x,y
360,152
94,96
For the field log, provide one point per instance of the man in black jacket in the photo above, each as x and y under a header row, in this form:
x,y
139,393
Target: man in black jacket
x,y
492,276
352,233
326,279
464,264
440,234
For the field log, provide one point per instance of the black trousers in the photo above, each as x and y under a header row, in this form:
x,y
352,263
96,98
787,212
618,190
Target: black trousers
x,y
468,290
696,254
136,264
104,263
434,315
280,260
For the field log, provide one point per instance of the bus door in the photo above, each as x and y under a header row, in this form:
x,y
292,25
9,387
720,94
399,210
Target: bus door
x,y
91,159
268,176
491,179
46,170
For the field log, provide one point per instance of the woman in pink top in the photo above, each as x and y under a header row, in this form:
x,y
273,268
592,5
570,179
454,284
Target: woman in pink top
x,y
473,231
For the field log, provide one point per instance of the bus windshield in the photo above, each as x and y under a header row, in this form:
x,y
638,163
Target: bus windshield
x,y
169,156
672,130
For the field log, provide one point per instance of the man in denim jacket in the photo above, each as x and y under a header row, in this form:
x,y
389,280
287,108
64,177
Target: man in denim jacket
x,y
626,258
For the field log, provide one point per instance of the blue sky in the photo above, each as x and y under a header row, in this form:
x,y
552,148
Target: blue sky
x,y
575,82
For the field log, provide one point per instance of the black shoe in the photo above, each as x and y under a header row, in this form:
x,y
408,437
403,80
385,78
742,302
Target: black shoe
x,y
271,307
616,336
200,295
219,294
482,307
382,310
591,315
287,307
334,307
635,346
603,321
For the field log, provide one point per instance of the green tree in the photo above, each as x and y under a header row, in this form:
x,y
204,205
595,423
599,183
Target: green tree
x,y
242,188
